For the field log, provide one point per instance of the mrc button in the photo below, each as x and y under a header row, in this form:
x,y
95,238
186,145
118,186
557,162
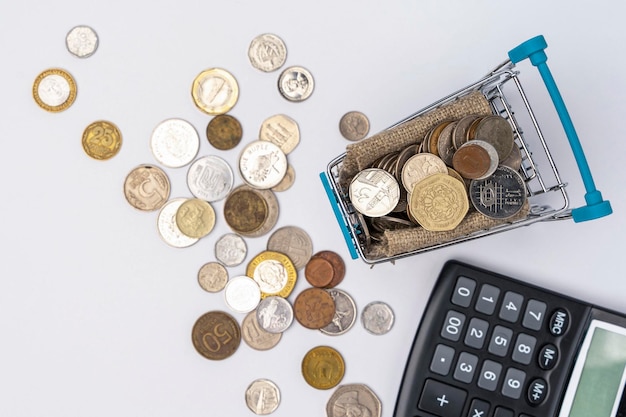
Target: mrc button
x,y
559,322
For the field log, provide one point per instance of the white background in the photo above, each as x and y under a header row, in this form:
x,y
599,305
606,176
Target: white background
x,y
96,311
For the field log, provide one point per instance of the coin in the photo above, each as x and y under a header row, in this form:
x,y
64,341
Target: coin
x,y
377,317
314,308
471,160
339,266
287,181
54,90
318,272
282,131
433,140
374,192
459,136
210,178
354,125
231,249
102,140
323,367
212,277
255,336
242,294
296,83
262,164
353,400
147,188
274,272
216,335
514,160
215,91
445,147
174,142
499,196
345,313
195,218
439,202
272,213
496,131
245,210
274,314
224,132
262,397
294,242
167,227
420,166
82,41
267,52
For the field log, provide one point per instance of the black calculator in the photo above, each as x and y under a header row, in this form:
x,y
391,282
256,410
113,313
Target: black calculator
x,y
492,346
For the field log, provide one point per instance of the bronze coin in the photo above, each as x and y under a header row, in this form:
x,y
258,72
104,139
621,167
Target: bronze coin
x,y
224,132
323,368
339,267
318,272
314,308
245,210
216,335
471,161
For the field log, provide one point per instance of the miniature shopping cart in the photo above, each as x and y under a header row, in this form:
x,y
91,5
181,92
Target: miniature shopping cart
x,y
547,197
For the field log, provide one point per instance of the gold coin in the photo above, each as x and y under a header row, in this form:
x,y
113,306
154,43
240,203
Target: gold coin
x,y
147,188
439,202
274,272
224,132
323,367
102,140
54,90
245,210
215,91
216,335
195,218
282,131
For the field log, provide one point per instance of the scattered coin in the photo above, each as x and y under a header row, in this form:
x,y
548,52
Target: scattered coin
x,y
274,272
216,335
212,277
339,266
323,367
420,166
245,210
231,249
224,132
147,188
255,336
272,213
174,143
345,313
296,84
167,227
102,140
262,164
215,91
353,400
287,181
499,196
267,52
262,397
377,318
195,218
294,242
318,272
439,202
82,41
314,308
210,178
54,90
354,125
242,294
274,314
374,192
282,131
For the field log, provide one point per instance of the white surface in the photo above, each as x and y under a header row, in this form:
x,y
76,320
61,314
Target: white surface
x,y
96,311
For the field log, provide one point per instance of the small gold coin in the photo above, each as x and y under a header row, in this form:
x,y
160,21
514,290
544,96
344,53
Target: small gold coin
x,y
195,218
274,272
282,131
216,335
54,90
147,188
323,367
439,202
215,91
224,132
102,140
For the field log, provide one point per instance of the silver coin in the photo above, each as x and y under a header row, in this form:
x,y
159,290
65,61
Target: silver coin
x,y
174,143
267,52
262,397
231,249
212,277
255,336
500,196
262,164
374,192
377,317
498,132
167,227
493,156
274,314
82,41
242,294
345,313
353,400
354,126
296,84
210,178
293,242
54,90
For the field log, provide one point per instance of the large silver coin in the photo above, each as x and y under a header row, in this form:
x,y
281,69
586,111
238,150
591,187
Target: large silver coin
x,y
345,313
353,400
293,242
231,249
210,178
497,131
174,143
262,164
499,196
81,41
374,192
377,317
168,228
296,84
262,397
274,314
267,52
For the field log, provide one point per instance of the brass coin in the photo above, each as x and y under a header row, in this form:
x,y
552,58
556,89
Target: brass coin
x,y
314,308
54,90
195,218
102,140
224,132
245,210
215,91
323,367
274,272
216,335
339,266
471,160
147,188
282,131
439,202
318,272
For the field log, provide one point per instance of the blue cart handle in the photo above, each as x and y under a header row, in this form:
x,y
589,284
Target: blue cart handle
x,y
534,49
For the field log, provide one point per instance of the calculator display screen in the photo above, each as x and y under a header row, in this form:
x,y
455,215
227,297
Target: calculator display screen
x,y
596,387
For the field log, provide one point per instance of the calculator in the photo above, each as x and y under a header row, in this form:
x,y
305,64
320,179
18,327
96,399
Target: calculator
x,y
492,346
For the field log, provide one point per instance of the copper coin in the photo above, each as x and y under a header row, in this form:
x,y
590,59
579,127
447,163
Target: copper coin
x,y
471,161
314,308
245,210
318,272
339,267
497,131
224,132
216,335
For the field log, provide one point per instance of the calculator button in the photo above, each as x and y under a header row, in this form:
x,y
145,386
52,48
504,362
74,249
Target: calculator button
x,y
487,299
511,306
503,412
479,408
500,341
442,399
533,317
513,383
548,356
442,360
465,367
537,391
453,325
489,375
559,322
463,292
476,333
524,348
